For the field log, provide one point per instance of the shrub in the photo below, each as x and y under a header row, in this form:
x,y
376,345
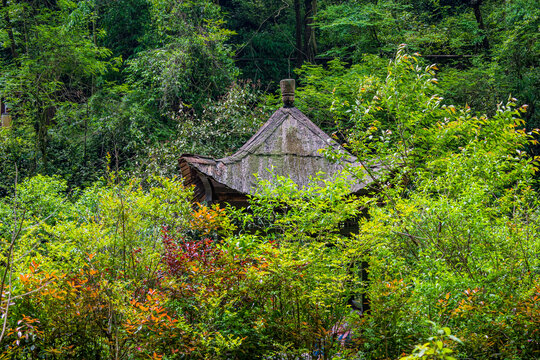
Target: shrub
x,y
454,236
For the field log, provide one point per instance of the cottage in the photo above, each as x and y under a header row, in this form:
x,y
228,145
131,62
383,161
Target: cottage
x,y
289,143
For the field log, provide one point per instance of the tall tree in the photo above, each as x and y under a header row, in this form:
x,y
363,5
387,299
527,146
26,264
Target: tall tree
x,y
186,60
306,44
310,43
59,59
298,33
476,4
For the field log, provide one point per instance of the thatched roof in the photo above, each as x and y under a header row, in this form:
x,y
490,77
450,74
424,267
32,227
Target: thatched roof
x,y
288,143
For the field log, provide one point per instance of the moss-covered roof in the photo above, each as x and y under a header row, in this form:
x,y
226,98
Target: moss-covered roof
x,y
288,143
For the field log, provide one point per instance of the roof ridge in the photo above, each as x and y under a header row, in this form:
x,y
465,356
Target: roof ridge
x,y
271,125
288,140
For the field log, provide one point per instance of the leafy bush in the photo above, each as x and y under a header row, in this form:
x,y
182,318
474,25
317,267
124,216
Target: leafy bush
x,y
133,269
455,241
326,94
16,158
221,128
436,348
188,61
82,262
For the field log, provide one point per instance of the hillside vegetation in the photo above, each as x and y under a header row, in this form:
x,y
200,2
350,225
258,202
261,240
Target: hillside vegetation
x,y
104,256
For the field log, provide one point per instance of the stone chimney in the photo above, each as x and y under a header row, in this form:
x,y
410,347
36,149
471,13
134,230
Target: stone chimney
x,y
287,92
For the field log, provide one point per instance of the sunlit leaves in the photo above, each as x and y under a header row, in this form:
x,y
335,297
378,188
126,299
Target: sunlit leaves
x,y
458,226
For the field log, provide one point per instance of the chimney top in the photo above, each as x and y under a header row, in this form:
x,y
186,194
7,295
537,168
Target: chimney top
x,y
287,92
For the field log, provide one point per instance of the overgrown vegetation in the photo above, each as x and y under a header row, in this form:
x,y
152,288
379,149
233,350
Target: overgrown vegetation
x,y
103,255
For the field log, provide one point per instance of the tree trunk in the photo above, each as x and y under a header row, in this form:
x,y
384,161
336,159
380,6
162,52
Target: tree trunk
x,y
476,4
299,24
313,38
310,7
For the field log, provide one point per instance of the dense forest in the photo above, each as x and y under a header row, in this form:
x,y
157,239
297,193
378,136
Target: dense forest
x,y
103,254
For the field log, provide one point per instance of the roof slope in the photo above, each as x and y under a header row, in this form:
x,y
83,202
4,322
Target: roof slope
x,y
288,142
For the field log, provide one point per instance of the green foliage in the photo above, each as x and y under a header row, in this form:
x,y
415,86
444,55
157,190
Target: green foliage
x,y
54,63
326,94
475,87
264,41
314,213
188,61
125,24
351,29
66,93
435,348
131,269
96,279
445,246
225,125
498,42
41,197
16,152
517,56
77,258
310,270
220,129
